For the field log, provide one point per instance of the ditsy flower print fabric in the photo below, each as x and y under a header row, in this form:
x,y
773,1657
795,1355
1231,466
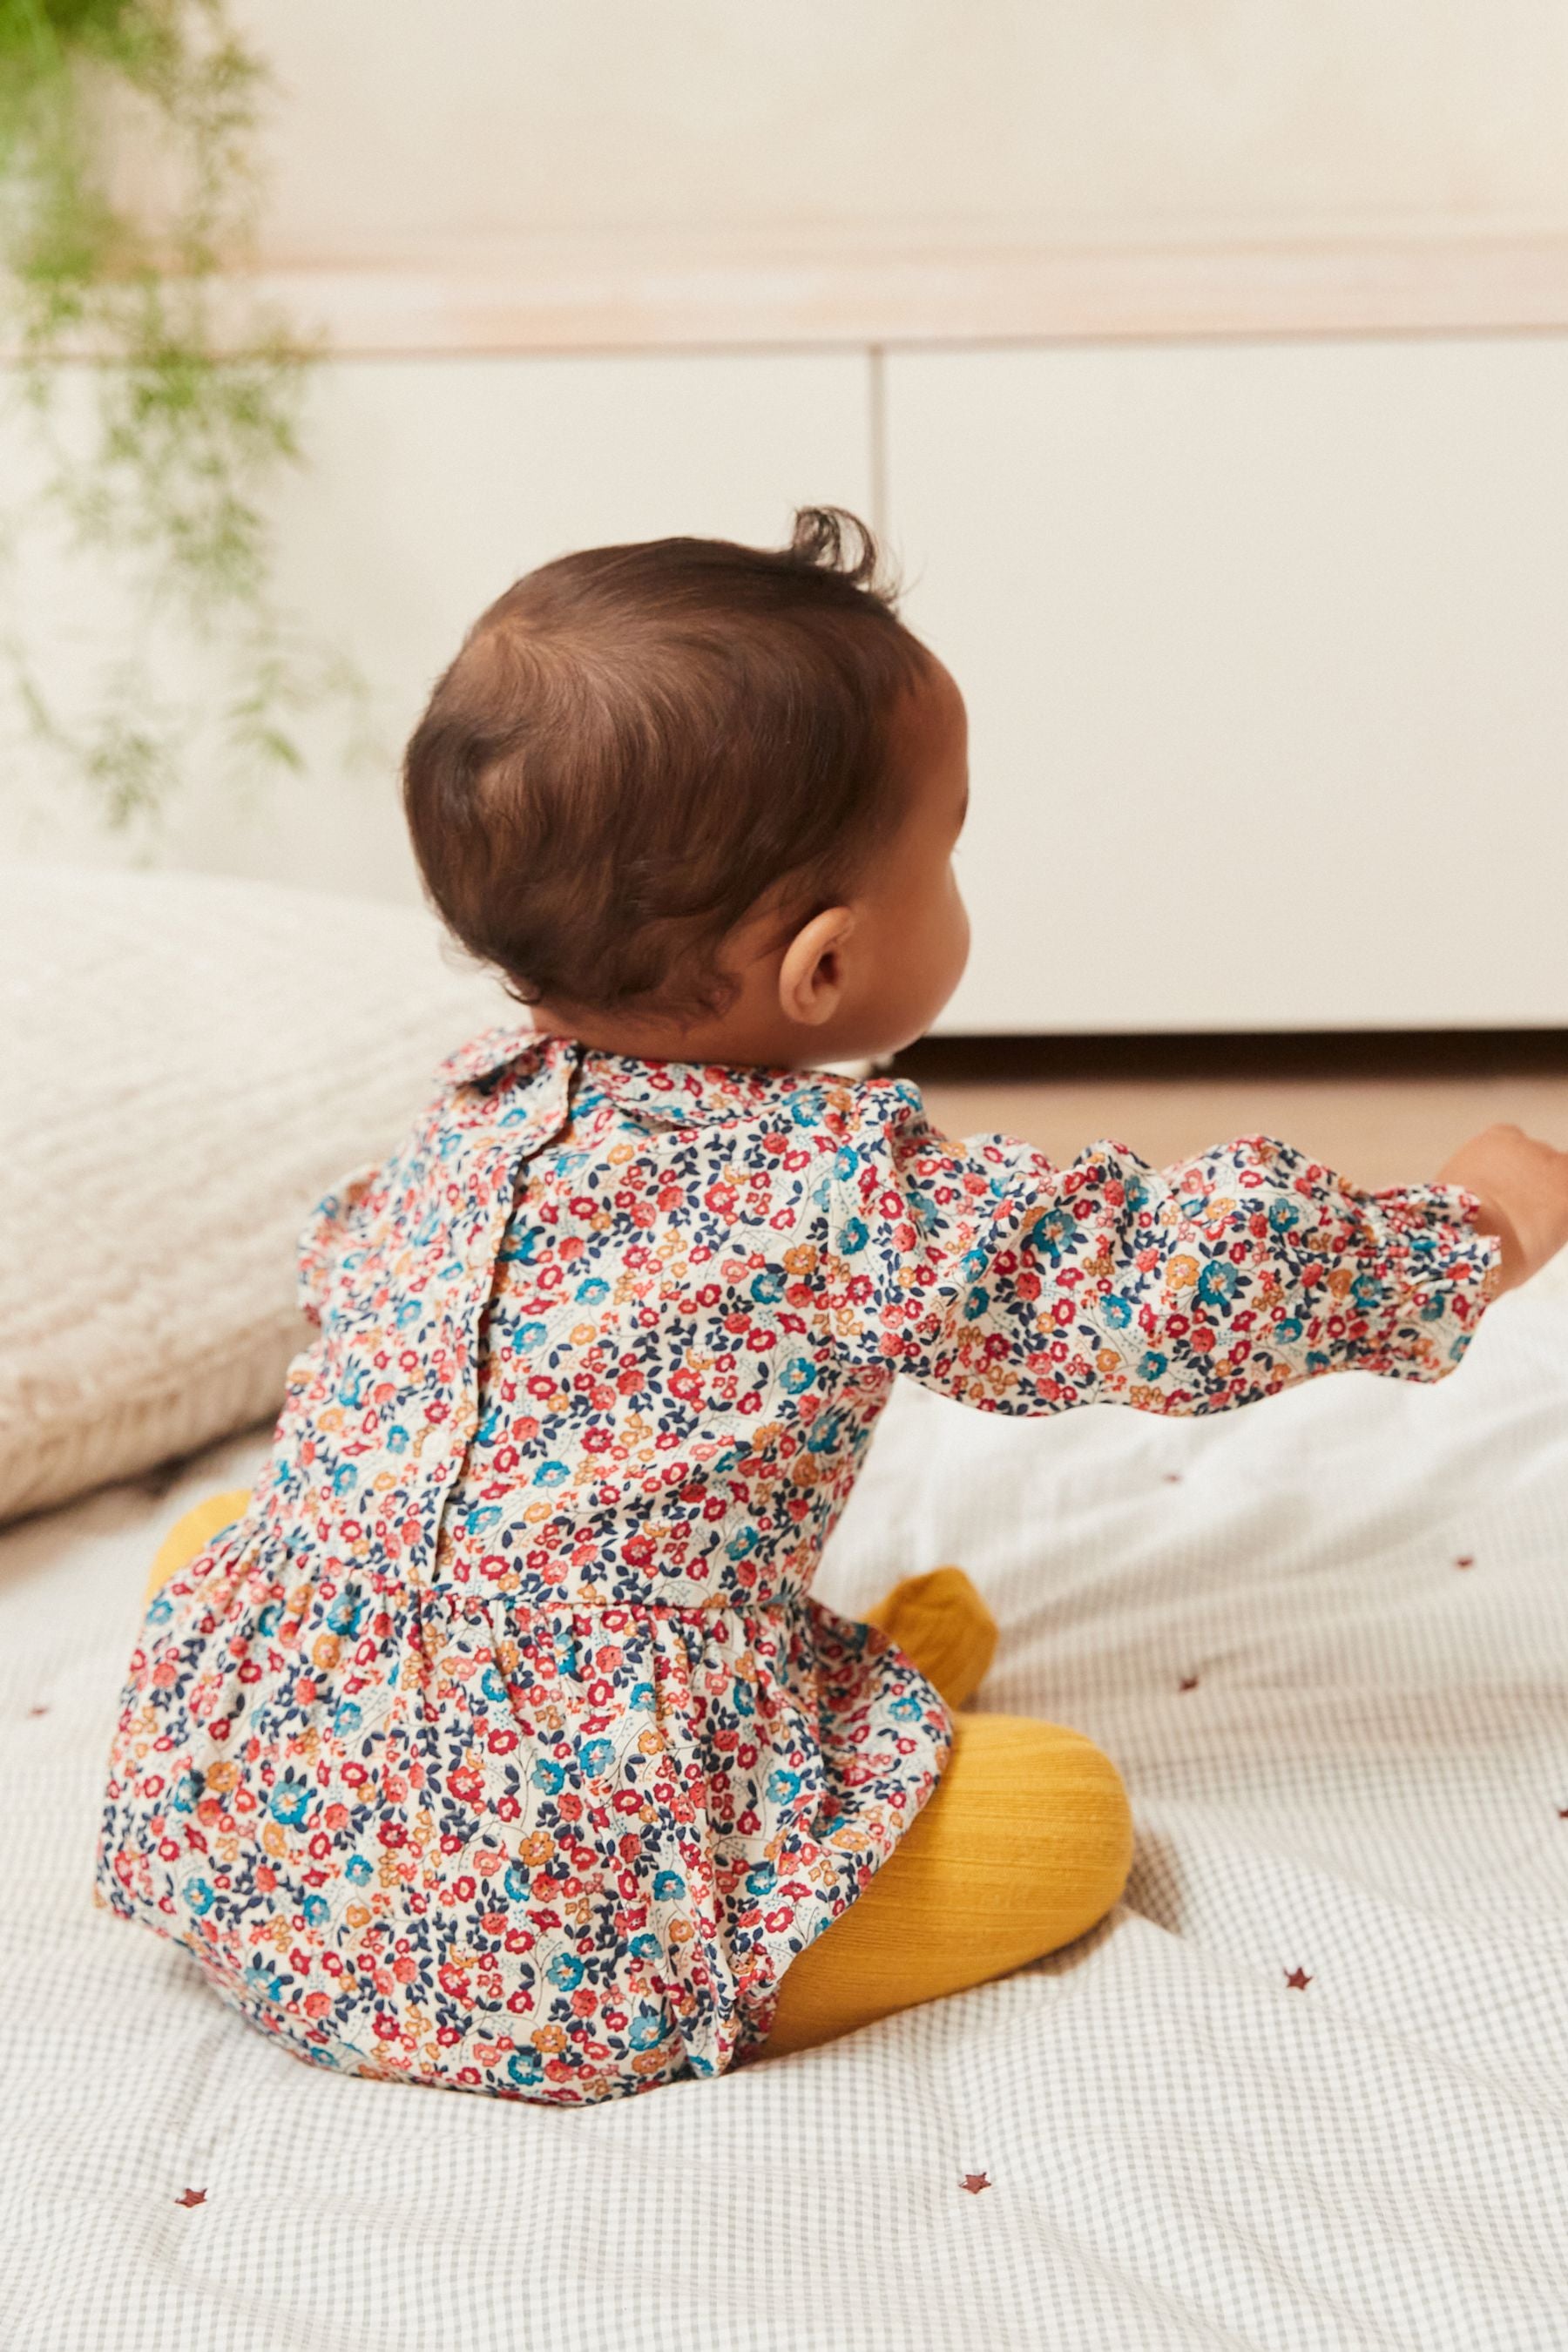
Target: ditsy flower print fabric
x,y
501,1743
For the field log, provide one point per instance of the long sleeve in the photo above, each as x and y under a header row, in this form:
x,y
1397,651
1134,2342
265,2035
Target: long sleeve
x,y
322,1236
984,1271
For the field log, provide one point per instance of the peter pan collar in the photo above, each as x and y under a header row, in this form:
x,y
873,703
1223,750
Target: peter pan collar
x,y
671,1092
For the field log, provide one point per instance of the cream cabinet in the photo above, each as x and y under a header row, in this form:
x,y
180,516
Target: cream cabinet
x,y
1266,652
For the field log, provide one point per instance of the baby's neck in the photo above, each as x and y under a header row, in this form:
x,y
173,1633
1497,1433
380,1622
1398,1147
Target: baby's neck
x,y
741,1044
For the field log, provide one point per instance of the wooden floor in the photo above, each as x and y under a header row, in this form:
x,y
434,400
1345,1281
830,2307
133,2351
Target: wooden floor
x,y
1392,1120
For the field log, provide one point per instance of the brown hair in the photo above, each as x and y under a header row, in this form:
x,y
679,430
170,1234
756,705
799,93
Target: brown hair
x,y
635,743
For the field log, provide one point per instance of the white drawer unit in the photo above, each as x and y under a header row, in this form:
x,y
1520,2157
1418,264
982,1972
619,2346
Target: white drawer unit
x,y
1266,652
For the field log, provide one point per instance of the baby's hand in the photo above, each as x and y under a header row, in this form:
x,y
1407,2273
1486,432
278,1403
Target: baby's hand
x,y
1523,1186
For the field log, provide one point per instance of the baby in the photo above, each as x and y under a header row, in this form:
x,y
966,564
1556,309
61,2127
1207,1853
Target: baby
x,y
496,1740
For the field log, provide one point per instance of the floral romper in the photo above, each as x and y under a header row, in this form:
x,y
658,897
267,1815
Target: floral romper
x,y
501,1743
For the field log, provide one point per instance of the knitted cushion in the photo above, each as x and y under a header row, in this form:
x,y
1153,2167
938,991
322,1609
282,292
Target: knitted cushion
x,y
186,1064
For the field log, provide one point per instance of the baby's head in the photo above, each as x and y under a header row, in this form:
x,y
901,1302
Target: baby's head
x,y
699,801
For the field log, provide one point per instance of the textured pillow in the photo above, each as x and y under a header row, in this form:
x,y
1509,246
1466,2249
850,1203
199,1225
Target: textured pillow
x,y
186,1065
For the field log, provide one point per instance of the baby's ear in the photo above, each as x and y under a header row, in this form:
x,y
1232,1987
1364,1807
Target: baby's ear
x,y
811,977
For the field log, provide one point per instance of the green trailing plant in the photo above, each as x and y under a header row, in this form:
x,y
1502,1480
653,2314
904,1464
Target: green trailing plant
x,y
158,408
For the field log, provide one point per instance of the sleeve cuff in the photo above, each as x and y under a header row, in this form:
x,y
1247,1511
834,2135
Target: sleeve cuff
x,y
1443,1272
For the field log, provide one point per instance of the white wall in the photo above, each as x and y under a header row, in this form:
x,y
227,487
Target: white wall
x,y
1042,117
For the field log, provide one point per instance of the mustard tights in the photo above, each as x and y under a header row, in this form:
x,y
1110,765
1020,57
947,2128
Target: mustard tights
x,y
1025,1844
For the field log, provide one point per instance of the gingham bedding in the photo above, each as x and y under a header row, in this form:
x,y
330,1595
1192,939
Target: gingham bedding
x,y
1307,2085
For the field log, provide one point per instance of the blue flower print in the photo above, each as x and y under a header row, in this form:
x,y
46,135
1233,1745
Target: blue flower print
x,y
854,1236
551,1474
668,1886
548,1775
595,1756
1218,1282
1051,1231
263,1977
200,1895
798,1375
345,1611
347,1717
1117,1311
1151,1364
317,1910
782,1786
359,1870
291,1799
645,2029
525,2066
566,1970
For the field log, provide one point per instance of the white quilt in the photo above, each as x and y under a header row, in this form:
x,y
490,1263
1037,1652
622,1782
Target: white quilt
x,y
1307,2087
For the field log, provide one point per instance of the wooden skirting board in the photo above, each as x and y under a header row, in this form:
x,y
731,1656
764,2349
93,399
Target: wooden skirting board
x,y
640,291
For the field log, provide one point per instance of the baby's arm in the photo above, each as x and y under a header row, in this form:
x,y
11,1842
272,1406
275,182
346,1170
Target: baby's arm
x,y
320,1239
983,1270
1522,1188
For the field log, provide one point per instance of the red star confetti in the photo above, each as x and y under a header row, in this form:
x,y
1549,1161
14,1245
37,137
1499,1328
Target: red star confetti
x,y
1297,1980
1188,1681
38,1710
1562,1812
975,2181
193,2197
1172,1477
1465,1559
